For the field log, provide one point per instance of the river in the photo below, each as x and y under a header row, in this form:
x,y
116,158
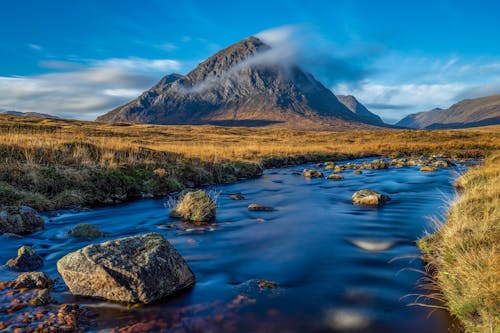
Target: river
x,y
338,267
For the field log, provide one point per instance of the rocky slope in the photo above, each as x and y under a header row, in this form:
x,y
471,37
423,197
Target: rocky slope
x,y
356,107
242,85
467,113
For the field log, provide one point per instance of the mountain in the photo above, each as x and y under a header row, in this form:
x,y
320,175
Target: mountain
x,y
28,114
355,106
241,85
467,113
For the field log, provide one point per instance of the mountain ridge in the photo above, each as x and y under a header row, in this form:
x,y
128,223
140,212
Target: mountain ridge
x,y
470,112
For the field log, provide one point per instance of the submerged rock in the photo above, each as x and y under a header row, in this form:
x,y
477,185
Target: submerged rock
x,y
27,259
369,198
139,269
33,280
237,197
19,220
28,307
357,172
258,207
197,207
86,231
335,177
308,173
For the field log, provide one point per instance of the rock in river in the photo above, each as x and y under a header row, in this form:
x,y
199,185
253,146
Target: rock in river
x,y
19,220
257,207
308,173
86,231
335,176
197,207
27,260
369,198
139,269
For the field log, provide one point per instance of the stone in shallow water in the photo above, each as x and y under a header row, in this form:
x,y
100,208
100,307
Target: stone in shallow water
x,y
428,169
257,207
196,206
312,173
139,269
19,220
369,198
86,231
27,259
335,176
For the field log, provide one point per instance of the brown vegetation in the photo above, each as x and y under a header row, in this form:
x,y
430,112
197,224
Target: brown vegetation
x,y
56,163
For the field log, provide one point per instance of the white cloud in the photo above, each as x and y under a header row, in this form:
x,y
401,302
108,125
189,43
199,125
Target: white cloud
x,y
393,101
35,47
85,92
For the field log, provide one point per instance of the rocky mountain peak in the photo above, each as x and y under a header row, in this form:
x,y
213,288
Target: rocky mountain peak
x,y
244,84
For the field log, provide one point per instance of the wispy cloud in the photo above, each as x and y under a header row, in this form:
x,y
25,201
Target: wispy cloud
x,y
35,47
86,91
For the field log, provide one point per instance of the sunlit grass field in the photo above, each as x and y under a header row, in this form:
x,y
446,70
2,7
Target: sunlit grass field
x,y
58,163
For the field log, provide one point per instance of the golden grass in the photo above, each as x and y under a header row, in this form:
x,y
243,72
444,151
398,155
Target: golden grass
x,y
48,141
464,254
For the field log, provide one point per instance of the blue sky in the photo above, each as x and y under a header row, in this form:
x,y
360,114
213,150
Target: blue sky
x,y
79,59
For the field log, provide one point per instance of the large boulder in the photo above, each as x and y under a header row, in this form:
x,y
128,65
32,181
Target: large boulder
x,y
369,198
27,259
139,269
19,220
197,207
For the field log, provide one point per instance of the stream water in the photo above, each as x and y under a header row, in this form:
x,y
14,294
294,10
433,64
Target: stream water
x,y
339,267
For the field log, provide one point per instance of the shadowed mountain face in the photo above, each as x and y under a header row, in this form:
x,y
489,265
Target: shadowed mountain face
x,y
467,113
355,106
242,85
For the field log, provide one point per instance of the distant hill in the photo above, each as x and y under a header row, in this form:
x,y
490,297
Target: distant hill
x,y
467,113
243,85
355,106
28,114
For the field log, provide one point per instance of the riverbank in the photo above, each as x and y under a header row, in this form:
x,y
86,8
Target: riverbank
x,y
56,163
463,255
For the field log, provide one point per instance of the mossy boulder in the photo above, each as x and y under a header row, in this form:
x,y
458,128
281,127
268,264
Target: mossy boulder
x,y
86,231
27,260
139,269
308,173
369,198
196,207
20,220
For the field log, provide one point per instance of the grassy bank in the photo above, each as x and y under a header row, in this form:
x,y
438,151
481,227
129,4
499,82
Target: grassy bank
x,y
464,255
57,163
